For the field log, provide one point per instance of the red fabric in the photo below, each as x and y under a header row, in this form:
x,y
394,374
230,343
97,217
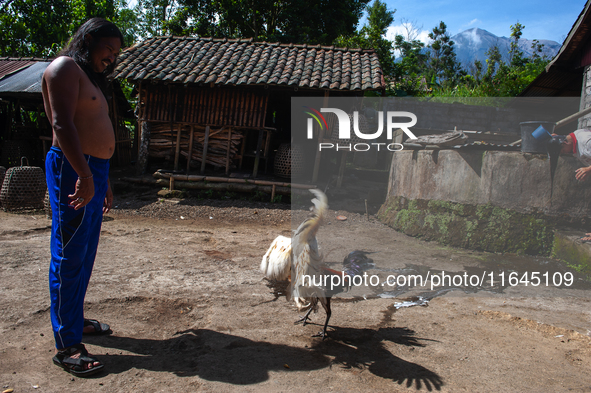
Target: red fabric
x,y
574,139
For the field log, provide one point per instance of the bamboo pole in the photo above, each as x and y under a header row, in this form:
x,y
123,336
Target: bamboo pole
x,y
320,139
342,169
178,148
257,156
214,179
190,151
205,145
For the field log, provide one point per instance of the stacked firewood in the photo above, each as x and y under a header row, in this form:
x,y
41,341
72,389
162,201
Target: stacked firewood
x,y
163,143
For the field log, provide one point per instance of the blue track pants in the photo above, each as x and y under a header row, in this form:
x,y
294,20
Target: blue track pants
x,y
74,241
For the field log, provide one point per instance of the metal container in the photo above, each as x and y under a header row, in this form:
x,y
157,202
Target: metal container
x,y
529,143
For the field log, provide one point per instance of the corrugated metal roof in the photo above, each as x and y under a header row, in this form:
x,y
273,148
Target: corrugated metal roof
x,y
243,62
10,65
25,81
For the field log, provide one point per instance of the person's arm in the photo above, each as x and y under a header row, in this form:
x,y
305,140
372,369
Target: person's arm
x,y
108,199
583,174
62,86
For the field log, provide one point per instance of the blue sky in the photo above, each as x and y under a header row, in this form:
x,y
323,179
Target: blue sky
x,y
543,19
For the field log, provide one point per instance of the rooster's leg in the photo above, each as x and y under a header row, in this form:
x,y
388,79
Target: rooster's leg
x,y
305,318
326,305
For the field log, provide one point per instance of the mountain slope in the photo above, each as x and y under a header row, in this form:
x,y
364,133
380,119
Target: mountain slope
x,y
473,44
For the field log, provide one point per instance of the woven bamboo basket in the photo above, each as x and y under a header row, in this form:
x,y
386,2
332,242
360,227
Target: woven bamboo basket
x,y
23,188
289,160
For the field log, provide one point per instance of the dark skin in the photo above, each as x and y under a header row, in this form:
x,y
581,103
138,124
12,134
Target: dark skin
x,y
78,113
79,116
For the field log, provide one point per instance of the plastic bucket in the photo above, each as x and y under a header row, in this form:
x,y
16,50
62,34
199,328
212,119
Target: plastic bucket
x,y
535,135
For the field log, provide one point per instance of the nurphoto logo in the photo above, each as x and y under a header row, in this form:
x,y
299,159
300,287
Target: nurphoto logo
x,y
344,123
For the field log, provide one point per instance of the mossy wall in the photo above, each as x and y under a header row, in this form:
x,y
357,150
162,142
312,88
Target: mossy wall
x,y
480,227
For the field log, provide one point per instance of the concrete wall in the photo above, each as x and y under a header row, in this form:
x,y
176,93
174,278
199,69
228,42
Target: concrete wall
x,y
511,180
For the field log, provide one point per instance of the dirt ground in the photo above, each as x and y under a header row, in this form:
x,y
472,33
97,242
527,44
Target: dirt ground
x,y
179,283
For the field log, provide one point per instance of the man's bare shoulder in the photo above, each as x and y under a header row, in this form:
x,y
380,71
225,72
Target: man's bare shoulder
x,y
63,67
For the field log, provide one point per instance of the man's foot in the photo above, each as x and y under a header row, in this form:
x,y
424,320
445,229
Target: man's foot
x,y
94,327
77,361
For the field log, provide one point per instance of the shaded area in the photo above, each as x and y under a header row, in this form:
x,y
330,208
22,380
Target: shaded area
x,y
217,356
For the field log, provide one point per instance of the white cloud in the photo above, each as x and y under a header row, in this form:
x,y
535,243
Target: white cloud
x,y
403,30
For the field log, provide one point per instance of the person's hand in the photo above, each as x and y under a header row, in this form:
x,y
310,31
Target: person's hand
x,y
583,174
108,200
83,194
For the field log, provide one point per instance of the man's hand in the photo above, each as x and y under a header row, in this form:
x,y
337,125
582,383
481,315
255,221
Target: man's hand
x,y
108,200
83,194
583,174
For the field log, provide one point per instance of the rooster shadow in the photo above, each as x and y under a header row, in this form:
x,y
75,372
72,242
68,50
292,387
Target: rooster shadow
x,y
217,356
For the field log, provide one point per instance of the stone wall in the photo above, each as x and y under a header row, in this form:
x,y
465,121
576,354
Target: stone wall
x,y
510,180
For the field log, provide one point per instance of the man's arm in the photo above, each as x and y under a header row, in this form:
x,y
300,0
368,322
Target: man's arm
x,y
61,85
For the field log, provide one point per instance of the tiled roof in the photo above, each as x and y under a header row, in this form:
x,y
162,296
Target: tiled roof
x,y
243,62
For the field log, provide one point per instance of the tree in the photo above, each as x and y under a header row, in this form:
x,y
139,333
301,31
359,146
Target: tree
x,y
34,28
443,68
373,36
40,28
409,70
516,58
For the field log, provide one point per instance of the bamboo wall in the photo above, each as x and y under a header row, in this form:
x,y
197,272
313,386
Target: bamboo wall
x,y
205,106
182,118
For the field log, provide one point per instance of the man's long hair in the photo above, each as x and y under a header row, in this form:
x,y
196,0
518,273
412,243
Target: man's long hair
x,y
84,41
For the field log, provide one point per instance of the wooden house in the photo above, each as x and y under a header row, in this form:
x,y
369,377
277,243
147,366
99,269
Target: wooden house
x,y
225,102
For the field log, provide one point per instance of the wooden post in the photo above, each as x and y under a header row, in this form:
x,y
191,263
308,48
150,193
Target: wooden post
x,y
266,151
171,184
142,161
342,168
242,148
205,144
190,147
258,153
178,148
273,193
320,139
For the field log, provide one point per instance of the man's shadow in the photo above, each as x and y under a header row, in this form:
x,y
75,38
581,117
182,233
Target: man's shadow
x,y
216,356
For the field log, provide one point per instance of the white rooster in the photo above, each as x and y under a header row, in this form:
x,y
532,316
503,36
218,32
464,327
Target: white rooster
x,y
299,260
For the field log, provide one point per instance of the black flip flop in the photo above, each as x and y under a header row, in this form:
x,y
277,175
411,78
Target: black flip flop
x,y
77,366
99,327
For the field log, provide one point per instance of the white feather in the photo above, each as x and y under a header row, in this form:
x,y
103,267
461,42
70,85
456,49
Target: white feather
x,y
276,263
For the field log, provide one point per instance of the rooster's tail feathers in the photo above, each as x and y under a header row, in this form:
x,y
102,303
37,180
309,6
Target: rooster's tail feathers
x,y
276,263
320,203
310,226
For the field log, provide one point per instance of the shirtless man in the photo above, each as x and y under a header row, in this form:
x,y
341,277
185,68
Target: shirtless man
x,y
77,168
